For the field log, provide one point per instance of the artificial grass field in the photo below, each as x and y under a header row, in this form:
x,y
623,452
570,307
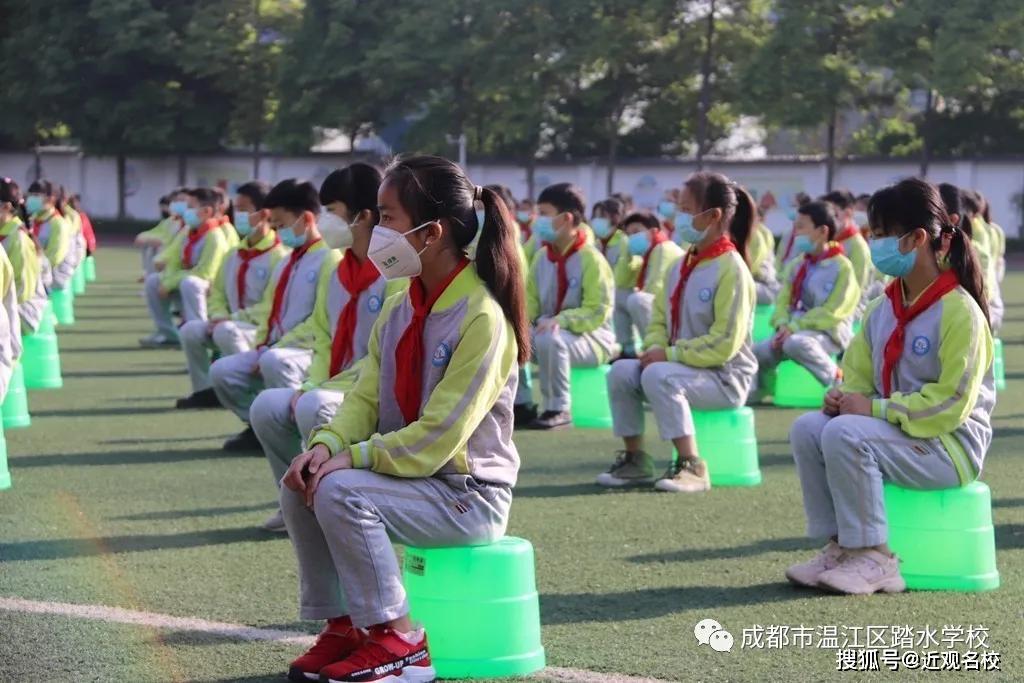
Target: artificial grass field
x,y
119,500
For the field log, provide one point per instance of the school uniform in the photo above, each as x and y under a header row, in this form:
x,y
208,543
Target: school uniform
x,y
77,251
238,288
287,302
429,427
28,277
930,383
702,318
856,249
817,302
576,289
761,251
624,267
650,277
10,324
162,233
998,236
987,248
191,267
349,299
56,236
230,234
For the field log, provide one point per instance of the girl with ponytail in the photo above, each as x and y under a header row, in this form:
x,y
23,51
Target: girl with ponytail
x,y
698,348
421,450
916,400
24,255
53,232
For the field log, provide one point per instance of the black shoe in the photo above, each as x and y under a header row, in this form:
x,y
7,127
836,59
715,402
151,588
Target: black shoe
x,y
524,414
552,419
206,398
245,441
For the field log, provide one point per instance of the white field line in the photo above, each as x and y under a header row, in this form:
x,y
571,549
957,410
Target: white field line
x,y
119,615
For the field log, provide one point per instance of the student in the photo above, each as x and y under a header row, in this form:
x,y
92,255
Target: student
x,y
761,252
613,243
10,324
656,253
421,451
524,219
88,232
855,247
77,249
814,310
986,248
191,263
998,236
698,351
915,404
52,231
25,260
349,298
287,302
784,252
238,288
860,214
231,236
569,297
151,242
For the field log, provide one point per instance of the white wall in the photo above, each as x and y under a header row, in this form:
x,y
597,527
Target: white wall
x,y
148,178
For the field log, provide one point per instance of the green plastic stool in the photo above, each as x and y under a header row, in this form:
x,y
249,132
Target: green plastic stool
x,y
590,408
479,607
763,322
998,365
90,268
795,387
5,473
15,405
78,281
63,301
727,441
945,539
40,356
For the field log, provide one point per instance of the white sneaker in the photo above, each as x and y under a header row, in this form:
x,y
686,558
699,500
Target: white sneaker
x,y
629,469
275,523
806,573
685,476
863,572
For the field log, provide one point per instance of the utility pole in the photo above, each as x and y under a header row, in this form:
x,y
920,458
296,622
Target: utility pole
x,y
459,140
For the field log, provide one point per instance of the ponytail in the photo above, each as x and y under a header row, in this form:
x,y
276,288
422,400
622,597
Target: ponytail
x,y
741,227
964,262
498,265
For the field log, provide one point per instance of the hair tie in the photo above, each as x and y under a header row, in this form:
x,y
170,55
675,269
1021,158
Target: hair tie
x,y
478,193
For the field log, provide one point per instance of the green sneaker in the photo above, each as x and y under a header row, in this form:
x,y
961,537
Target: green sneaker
x,y
629,469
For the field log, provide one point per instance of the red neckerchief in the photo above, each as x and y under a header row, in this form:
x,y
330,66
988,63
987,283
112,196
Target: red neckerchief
x,y
560,260
846,233
282,286
693,259
193,238
943,285
797,289
355,278
409,350
658,238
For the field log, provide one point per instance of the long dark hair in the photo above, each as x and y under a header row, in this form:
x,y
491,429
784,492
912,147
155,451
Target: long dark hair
x,y
914,203
952,199
433,188
715,191
10,193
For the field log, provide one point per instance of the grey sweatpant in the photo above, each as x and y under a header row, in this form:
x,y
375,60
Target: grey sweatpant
x,y
843,461
229,337
640,306
190,295
237,379
282,434
809,348
343,545
149,252
557,354
996,310
622,323
670,389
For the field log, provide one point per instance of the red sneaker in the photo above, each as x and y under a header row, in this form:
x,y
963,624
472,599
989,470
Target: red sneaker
x,y
385,657
337,641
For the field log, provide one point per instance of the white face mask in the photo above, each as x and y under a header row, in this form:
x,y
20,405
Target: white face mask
x,y
335,230
393,254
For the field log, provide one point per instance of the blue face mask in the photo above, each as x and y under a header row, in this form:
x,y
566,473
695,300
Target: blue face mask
x,y
887,257
242,224
602,227
791,214
191,217
178,208
802,244
544,228
639,243
667,209
523,216
33,204
289,238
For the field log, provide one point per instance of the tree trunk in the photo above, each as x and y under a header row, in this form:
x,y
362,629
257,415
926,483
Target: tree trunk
x,y
182,169
37,166
704,105
926,152
830,151
120,185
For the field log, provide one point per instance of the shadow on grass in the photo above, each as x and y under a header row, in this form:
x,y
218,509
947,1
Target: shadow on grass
x,y
120,410
201,512
157,439
103,458
650,603
583,488
768,545
66,548
141,372
1007,502
127,348
1009,536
